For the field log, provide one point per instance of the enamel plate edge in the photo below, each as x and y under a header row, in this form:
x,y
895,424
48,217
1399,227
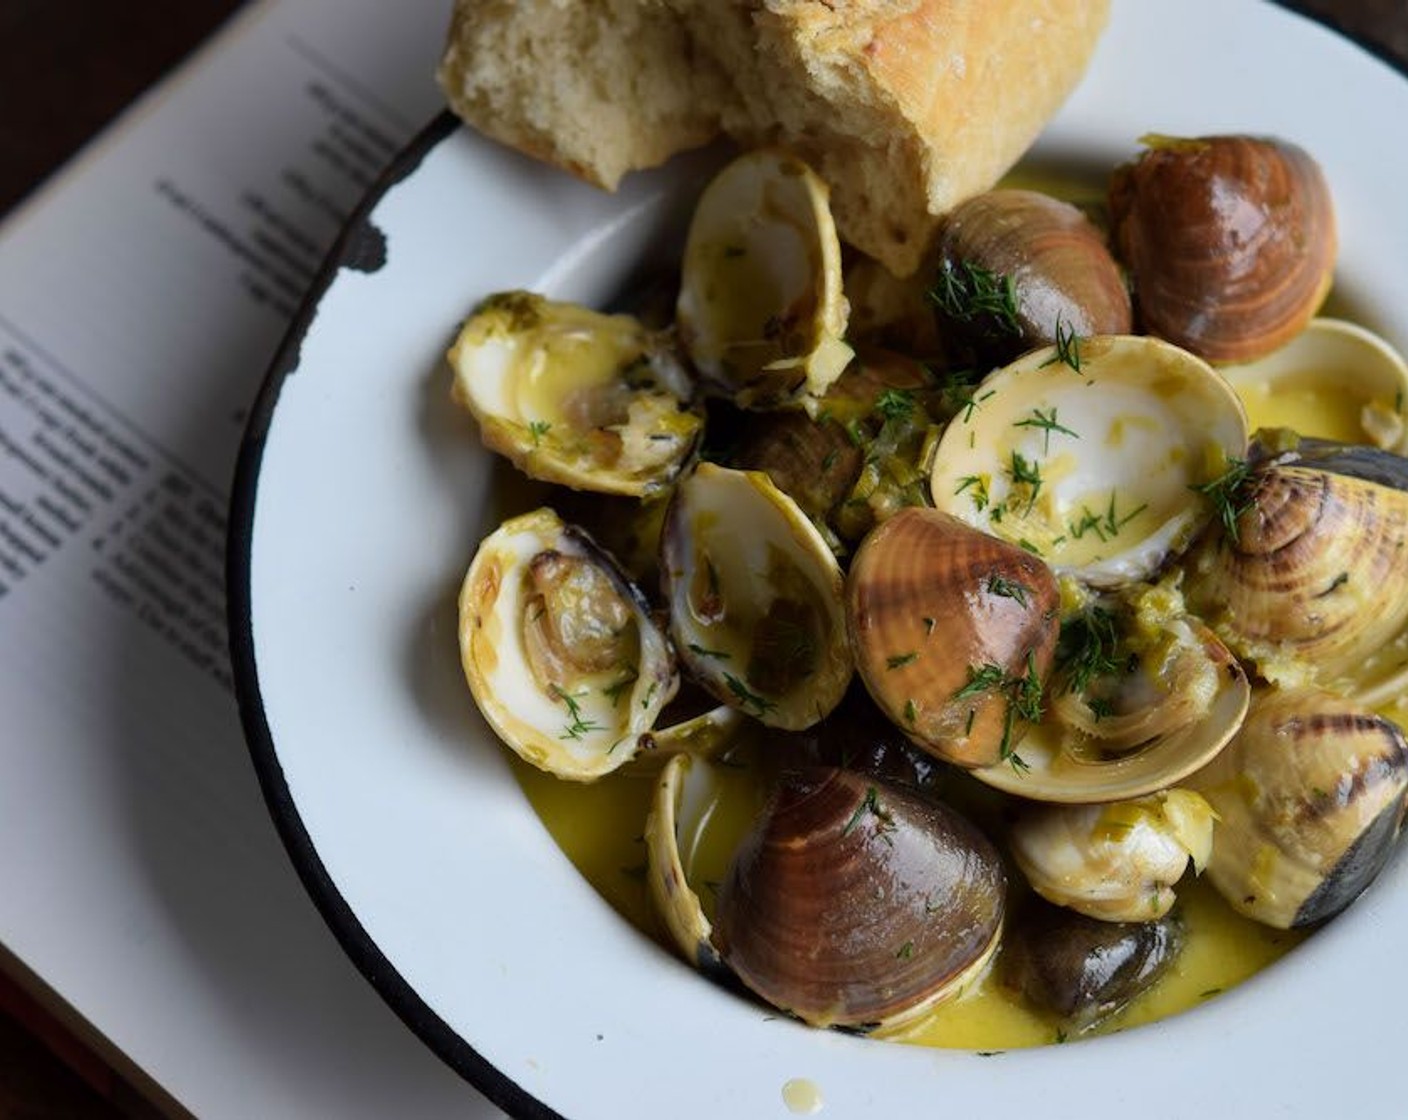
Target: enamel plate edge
x,y
361,498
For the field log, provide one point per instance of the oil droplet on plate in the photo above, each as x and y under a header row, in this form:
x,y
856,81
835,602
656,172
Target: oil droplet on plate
x,y
802,1096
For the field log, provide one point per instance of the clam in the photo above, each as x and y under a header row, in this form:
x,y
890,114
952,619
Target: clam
x,y
1028,269
851,903
572,396
1089,455
685,809
754,595
860,457
1230,240
559,649
1142,695
1345,381
1116,862
954,633
1084,970
1305,574
1309,798
761,312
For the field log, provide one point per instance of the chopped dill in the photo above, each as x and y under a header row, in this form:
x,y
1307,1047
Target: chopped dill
x,y
1067,347
576,726
979,487
746,697
1048,424
1008,588
970,293
1025,471
1223,492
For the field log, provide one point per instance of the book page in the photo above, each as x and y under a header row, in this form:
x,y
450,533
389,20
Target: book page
x,y
142,296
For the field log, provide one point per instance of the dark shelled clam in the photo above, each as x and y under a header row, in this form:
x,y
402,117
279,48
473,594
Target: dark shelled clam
x,y
1309,799
1081,969
1028,269
1230,241
852,903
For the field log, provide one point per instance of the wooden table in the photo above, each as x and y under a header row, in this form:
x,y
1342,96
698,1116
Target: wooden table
x,y
65,71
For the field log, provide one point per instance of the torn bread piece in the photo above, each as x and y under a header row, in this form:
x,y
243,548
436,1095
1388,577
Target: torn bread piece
x,y
905,107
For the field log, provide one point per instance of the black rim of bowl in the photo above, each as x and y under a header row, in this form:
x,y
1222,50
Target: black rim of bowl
x,y
360,247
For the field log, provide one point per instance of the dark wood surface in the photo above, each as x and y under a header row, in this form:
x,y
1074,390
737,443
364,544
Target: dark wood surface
x,y
65,71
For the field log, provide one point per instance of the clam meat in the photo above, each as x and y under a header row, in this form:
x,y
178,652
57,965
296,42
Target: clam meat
x,y
561,654
1116,862
572,396
1142,695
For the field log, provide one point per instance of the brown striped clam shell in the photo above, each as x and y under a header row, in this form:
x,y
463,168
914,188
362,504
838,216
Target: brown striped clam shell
x,y
1062,274
932,604
853,903
1309,797
1315,579
1230,241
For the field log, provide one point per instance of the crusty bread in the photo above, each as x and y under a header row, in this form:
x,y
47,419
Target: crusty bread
x,y
599,87
905,107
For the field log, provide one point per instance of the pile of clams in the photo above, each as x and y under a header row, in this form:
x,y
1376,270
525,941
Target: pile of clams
x,y
991,585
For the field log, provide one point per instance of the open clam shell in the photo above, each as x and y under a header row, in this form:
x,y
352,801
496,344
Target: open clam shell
x,y
679,808
572,396
1060,763
559,649
1334,380
754,595
761,311
1092,468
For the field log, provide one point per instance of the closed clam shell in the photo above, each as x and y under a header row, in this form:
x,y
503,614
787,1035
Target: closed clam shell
x,y
934,607
1309,798
1082,969
853,903
1063,278
1311,585
1230,240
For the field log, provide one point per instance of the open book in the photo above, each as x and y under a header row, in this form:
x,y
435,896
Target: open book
x,y
142,295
